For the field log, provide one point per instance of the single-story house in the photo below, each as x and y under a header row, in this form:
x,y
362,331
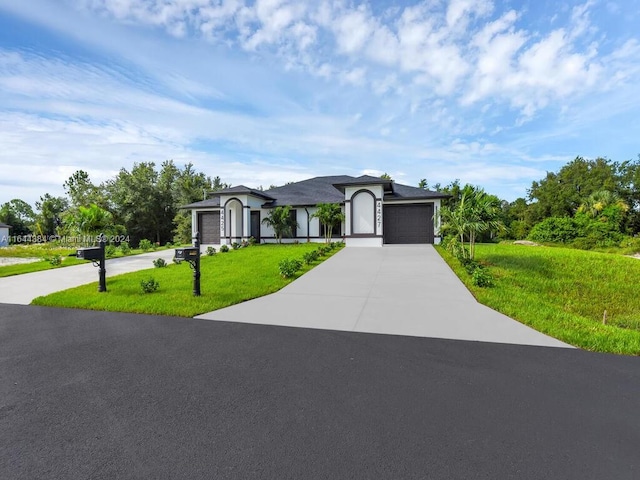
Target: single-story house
x,y
377,211
4,234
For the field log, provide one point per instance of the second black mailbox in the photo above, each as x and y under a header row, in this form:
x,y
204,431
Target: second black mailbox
x,y
187,253
88,253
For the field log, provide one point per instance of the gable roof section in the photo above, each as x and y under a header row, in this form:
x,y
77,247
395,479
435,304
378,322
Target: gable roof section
x,y
208,203
242,190
309,192
405,192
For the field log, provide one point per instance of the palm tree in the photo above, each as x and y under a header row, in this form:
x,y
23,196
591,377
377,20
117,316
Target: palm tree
x,y
476,213
330,215
595,203
281,221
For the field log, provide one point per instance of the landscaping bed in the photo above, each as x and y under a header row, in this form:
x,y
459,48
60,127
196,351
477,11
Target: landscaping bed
x,y
587,299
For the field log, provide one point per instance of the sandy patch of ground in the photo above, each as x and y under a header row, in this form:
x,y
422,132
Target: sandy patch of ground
x,y
4,261
527,243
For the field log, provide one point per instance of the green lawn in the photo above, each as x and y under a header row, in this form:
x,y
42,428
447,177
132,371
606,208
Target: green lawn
x,y
227,279
18,269
564,292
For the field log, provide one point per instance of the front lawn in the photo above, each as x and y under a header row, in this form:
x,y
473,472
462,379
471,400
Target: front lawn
x,y
563,293
227,278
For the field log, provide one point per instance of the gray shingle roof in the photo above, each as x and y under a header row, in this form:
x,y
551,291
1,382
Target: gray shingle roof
x,y
4,225
309,192
329,189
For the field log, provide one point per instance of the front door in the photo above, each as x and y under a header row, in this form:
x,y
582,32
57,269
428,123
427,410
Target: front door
x,y
255,226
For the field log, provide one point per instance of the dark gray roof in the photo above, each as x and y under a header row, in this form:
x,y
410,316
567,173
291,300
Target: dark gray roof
x,y
405,192
309,192
364,180
316,190
4,225
242,190
208,203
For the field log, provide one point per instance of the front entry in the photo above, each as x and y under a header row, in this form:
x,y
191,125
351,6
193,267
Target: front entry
x,y
255,226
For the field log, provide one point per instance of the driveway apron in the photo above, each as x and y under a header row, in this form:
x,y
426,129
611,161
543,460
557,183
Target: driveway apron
x,y
399,290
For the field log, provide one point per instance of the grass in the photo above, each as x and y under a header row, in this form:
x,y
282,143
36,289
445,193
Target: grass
x,y
226,279
564,293
45,251
18,269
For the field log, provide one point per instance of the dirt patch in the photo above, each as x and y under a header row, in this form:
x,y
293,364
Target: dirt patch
x,y
635,255
528,243
4,261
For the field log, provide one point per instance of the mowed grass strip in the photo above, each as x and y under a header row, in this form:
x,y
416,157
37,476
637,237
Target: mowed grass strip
x,y
564,293
226,279
20,268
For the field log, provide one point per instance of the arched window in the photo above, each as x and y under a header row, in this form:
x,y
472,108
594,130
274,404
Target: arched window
x,y
363,213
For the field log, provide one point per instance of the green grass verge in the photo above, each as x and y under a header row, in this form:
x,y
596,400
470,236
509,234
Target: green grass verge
x,y
226,279
18,269
45,251
563,293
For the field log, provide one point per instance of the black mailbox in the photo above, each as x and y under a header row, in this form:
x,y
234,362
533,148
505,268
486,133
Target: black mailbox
x,y
89,253
188,253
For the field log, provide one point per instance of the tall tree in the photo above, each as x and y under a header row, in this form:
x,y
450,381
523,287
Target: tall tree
x,y
49,216
82,192
19,215
423,184
560,194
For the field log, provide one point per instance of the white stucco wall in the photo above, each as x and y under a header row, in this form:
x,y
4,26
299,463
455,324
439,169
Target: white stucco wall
x,y
363,241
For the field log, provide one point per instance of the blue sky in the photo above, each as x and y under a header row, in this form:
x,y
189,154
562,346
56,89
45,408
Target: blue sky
x,y
494,93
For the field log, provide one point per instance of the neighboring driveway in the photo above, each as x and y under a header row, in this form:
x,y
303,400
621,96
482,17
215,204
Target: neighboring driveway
x,y
400,290
22,289
98,395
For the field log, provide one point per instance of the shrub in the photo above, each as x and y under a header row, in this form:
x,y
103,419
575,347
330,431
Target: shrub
x,y
145,245
481,277
210,251
289,266
149,285
159,263
252,241
309,257
469,265
125,248
235,245
321,250
176,261
55,260
110,251
168,244
224,248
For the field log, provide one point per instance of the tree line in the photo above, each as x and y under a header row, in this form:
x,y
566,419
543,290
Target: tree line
x,y
588,203
143,203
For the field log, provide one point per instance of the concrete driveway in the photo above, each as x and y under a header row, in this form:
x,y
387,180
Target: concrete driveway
x,y
22,289
400,290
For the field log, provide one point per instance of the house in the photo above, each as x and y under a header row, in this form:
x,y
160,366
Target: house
x,y
4,234
377,211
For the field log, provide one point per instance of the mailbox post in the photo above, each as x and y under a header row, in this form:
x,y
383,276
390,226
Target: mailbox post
x,y
97,256
192,255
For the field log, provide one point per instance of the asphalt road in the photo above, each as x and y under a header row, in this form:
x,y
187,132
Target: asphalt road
x,y
93,395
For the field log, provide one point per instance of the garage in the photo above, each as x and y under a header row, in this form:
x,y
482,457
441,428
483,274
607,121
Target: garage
x,y
209,227
408,223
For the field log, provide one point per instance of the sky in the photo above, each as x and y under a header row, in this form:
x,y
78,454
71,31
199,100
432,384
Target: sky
x,y
259,93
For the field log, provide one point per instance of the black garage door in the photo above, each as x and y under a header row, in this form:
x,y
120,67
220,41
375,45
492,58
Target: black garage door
x,y
209,227
408,223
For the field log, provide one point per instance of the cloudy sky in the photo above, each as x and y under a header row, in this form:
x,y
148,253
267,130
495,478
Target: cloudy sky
x,y
493,93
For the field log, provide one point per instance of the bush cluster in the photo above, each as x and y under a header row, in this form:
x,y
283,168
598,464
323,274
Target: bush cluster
x,y
159,263
125,248
224,248
110,251
480,275
580,231
289,266
149,285
210,251
145,245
